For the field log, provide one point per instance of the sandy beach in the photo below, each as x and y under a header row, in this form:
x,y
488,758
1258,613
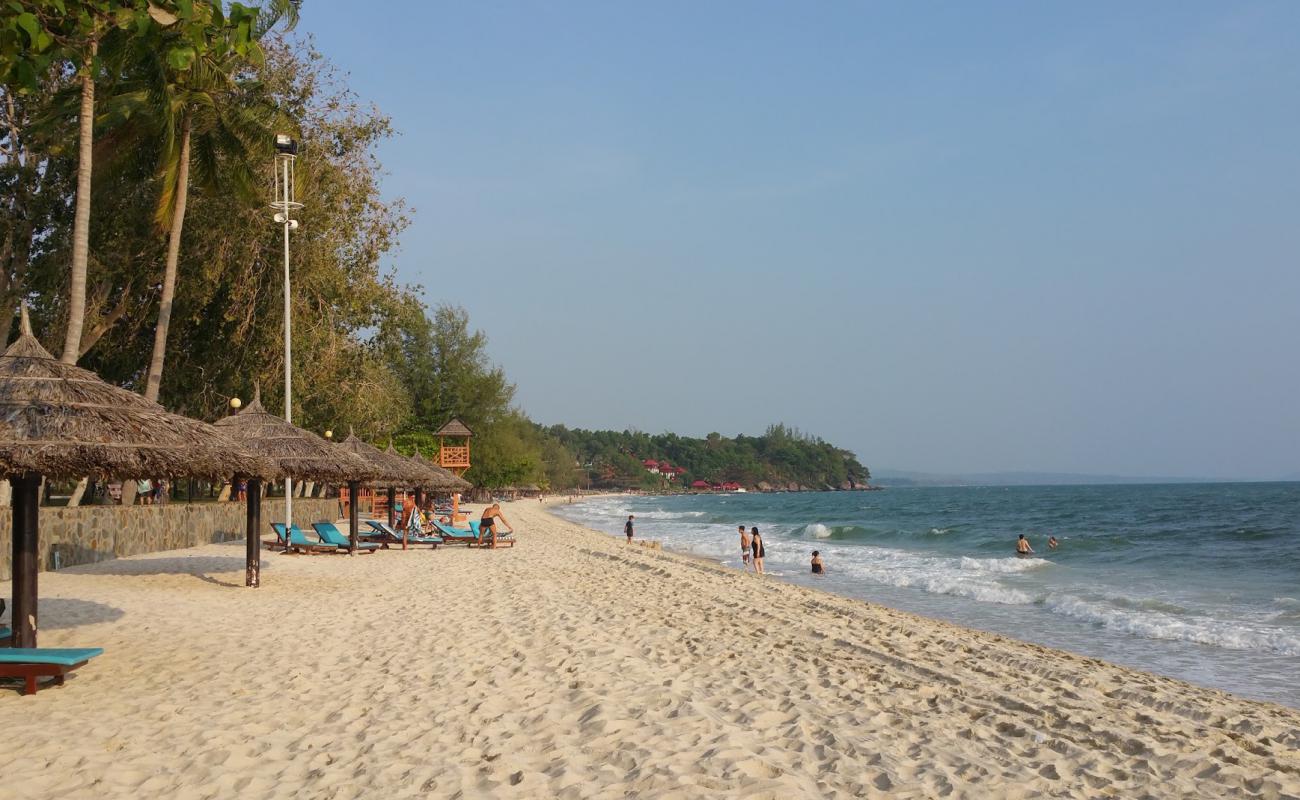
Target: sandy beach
x,y
574,665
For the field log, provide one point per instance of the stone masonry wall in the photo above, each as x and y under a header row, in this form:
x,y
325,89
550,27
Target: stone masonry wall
x,y
86,534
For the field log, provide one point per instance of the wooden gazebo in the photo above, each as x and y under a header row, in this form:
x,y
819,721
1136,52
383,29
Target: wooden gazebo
x,y
296,453
60,421
454,456
393,471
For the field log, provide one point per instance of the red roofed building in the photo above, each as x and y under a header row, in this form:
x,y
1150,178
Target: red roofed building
x,y
701,485
651,465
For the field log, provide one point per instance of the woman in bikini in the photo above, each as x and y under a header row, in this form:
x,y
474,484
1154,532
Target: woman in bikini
x,y
756,546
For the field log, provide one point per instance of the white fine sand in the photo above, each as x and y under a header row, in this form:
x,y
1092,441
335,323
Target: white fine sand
x,y
575,665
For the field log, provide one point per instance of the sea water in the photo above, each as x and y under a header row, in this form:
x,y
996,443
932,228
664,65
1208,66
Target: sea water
x,y
1195,581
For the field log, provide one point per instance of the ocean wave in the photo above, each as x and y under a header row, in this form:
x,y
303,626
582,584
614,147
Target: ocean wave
x,y
1012,565
942,531
817,531
1158,625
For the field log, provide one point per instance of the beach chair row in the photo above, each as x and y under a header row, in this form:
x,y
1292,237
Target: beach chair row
x,y
381,535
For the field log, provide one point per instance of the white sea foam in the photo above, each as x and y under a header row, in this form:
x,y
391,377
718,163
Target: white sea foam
x,y
1011,565
1196,629
817,531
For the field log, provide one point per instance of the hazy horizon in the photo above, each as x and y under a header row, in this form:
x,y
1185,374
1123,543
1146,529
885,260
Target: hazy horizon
x,y
1004,237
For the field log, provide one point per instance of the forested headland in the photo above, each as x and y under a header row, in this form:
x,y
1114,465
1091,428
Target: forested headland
x,y
136,160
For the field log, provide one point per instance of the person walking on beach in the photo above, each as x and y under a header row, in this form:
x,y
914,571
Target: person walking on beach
x,y
627,528
1022,547
756,547
744,549
818,568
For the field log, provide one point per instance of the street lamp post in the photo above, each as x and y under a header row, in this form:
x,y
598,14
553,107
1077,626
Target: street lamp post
x,y
286,151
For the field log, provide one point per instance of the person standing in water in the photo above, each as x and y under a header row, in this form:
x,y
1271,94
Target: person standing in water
x,y
627,528
744,549
1022,547
756,547
1052,543
818,567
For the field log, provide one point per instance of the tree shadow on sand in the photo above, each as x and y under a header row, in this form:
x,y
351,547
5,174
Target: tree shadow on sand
x,y
201,567
62,613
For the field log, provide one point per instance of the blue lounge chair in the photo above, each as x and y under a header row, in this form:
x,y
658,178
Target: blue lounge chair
x,y
381,530
299,541
452,535
5,633
330,534
30,663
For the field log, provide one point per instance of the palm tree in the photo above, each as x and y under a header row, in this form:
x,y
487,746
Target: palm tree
x,y
212,119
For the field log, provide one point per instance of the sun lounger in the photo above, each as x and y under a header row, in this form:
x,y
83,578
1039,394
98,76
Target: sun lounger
x,y
381,531
31,663
452,535
299,541
330,534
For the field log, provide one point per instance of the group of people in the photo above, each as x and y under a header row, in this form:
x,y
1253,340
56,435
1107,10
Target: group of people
x,y
1023,548
752,550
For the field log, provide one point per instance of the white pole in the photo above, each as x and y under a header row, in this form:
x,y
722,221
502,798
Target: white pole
x,y
288,364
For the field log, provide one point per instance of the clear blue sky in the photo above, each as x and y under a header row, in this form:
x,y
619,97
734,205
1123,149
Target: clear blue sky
x,y
952,237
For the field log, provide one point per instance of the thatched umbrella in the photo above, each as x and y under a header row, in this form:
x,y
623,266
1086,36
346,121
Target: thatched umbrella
x,y
297,454
394,470
61,421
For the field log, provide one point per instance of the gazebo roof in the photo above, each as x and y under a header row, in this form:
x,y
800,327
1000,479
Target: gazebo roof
x,y
454,428
393,469
63,421
297,453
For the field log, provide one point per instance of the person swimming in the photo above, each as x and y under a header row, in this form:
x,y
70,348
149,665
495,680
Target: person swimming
x,y
1051,542
1022,547
818,567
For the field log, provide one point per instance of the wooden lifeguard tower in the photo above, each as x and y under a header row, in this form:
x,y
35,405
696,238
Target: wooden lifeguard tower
x,y
454,457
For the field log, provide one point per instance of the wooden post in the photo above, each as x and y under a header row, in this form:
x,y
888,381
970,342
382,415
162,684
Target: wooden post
x,y
26,533
392,512
253,572
353,488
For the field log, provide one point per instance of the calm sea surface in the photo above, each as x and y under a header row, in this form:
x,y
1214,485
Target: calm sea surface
x,y
1200,582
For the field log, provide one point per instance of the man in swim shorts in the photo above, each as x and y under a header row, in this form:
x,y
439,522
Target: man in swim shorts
x,y
1022,547
628,527
744,548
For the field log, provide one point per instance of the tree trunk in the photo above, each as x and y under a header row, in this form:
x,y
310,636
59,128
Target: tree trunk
x,y
154,381
81,219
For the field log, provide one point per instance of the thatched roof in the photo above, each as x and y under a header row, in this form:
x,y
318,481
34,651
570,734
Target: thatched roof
x,y
454,428
64,422
440,479
296,452
394,470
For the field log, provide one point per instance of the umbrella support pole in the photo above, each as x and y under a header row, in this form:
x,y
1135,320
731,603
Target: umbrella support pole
x,y
354,487
26,525
253,571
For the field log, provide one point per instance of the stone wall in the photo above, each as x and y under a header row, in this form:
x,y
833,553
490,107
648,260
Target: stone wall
x,y
86,534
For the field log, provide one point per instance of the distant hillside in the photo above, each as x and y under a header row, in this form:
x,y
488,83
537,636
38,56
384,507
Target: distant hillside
x,y
782,458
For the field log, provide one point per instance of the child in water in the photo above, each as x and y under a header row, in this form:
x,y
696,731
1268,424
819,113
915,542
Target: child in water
x,y
818,567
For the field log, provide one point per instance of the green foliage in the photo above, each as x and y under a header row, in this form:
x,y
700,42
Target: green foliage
x,y
781,458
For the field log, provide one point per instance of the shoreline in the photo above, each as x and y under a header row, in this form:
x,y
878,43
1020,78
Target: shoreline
x,y
573,665
931,620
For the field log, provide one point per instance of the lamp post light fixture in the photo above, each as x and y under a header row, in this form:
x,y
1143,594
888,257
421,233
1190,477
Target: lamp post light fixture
x,y
235,403
286,151
329,435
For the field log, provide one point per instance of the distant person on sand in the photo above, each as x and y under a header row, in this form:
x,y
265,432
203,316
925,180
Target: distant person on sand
x,y
627,528
487,523
818,567
744,548
1022,547
1051,542
756,547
